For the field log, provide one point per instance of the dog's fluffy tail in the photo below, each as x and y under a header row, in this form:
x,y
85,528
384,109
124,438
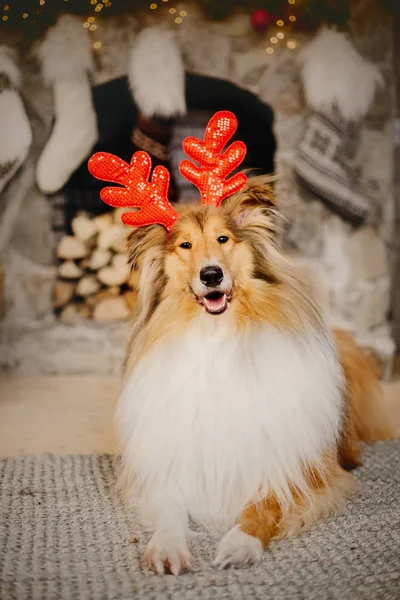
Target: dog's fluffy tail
x,y
369,418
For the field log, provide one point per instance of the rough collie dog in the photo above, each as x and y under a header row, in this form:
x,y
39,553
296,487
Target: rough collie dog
x,y
240,409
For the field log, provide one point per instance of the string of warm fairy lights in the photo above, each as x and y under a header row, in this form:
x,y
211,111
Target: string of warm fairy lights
x,y
90,23
278,37
25,15
99,5
173,12
6,8
279,34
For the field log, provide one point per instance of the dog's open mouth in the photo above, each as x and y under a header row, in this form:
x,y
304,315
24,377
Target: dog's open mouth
x,y
215,303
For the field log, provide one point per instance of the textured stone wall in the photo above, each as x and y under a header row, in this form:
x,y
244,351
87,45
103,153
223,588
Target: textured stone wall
x,y
354,264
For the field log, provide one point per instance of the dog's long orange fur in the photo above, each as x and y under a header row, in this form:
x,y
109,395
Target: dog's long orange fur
x,y
267,289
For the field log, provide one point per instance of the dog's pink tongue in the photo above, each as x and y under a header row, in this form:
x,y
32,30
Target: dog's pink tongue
x,y
215,304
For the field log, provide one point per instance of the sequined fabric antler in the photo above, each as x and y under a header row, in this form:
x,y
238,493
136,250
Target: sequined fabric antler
x,y
150,196
210,176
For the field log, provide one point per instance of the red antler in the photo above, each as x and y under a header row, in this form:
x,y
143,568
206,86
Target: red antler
x,y
150,196
209,178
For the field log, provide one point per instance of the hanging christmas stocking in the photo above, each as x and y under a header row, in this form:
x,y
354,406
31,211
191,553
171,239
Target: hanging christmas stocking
x,y
157,80
339,87
16,133
67,60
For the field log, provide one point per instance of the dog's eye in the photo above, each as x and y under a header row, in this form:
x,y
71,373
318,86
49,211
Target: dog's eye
x,y
185,245
222,239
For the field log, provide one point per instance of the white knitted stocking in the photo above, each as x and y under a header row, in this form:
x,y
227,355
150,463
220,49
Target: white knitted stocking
x,y
66,61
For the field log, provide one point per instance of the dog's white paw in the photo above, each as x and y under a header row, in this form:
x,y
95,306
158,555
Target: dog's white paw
x,y
167,554
238,549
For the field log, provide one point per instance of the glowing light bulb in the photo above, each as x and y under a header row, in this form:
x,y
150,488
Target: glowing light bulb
x,y
280,35
178,20
291,44
274,40
99,7
42,2
97,45
183,13
86,25
292,18
5,18
153,6
172,11
25,16
91,19
93,27
269,50
280,23
291,1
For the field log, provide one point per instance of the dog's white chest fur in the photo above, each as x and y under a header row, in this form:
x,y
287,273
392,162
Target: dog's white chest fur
x,y
210,419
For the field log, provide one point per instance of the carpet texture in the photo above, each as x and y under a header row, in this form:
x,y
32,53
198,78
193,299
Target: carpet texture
x,y
64,534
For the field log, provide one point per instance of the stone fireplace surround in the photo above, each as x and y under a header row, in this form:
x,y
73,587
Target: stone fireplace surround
x,y
353,264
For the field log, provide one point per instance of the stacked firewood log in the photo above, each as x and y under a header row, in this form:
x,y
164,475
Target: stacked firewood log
x,y
94,279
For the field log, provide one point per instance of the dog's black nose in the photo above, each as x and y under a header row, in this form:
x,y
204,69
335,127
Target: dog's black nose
x,y
211,276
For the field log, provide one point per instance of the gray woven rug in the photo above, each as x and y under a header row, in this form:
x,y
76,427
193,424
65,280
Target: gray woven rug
x,y
64,534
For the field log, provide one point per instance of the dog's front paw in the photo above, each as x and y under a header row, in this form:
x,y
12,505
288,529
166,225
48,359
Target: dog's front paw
x,y
167,554
238,549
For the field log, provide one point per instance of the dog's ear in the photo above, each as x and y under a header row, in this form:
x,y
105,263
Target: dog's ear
x,y
146,256
142,240
254,205
145,252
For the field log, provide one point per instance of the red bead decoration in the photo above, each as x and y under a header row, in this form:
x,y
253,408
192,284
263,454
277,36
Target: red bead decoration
x,y
210,176
150,196
261,19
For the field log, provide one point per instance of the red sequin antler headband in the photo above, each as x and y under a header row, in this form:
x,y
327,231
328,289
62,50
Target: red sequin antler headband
x,y
150,196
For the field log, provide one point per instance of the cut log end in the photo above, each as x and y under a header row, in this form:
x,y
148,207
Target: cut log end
x,y
87,286
71,248
110,310
83,227
69,270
